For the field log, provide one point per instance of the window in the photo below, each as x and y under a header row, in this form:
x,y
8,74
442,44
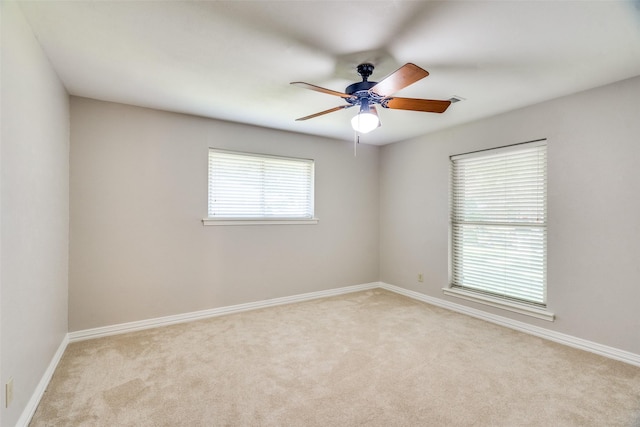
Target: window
x,y
499,227
254,189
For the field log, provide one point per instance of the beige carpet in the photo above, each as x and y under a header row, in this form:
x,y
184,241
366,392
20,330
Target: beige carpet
x,y
370,358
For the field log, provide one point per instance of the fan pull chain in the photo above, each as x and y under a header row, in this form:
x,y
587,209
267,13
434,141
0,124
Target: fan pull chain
x,y
356,141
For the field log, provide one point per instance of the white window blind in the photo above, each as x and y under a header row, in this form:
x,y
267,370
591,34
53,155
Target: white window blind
x,y
499,222
243,186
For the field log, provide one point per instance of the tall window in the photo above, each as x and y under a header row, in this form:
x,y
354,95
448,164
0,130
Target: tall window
x,y
499,223
253,186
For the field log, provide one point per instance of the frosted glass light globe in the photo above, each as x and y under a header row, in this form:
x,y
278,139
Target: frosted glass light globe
x,y
365,122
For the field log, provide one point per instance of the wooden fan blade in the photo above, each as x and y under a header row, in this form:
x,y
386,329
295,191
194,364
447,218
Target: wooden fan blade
x,y
413,104
404,76
321,113
320,89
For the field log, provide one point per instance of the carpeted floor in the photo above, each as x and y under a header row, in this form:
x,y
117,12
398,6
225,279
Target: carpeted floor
x,y
370,358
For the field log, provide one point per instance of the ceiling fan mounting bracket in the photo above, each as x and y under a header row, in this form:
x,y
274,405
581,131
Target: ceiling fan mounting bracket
x,y
365,70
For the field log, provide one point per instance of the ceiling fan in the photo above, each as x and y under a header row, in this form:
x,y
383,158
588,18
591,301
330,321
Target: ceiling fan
x,y
366,95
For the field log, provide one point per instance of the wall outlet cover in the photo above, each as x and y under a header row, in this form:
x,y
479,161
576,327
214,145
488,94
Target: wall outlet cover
x,y
9,392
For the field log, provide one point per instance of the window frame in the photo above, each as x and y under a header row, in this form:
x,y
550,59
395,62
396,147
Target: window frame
x,y
534,309
261,220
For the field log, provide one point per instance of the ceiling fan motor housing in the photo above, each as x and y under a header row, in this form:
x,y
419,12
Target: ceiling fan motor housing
x,y
353,89
360,90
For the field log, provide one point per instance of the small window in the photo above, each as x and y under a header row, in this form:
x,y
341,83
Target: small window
x,y
249,188
499,224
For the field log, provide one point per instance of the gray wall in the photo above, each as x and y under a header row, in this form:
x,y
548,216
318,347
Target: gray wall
x,y
594,209
35,212
138,248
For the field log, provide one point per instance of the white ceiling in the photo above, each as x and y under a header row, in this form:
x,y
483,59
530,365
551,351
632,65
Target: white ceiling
x,y
233,60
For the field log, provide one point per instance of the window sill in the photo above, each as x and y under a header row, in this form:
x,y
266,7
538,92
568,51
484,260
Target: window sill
x,y
259,221
515,307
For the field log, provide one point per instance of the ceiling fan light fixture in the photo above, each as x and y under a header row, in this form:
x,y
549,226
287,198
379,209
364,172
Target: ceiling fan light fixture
x,y
366,120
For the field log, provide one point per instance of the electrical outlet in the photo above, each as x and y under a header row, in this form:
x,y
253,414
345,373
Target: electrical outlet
x,y
420,278
9,392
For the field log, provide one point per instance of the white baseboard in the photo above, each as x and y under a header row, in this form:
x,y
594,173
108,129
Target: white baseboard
x,y
203,314
569,340
579,343
32,404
